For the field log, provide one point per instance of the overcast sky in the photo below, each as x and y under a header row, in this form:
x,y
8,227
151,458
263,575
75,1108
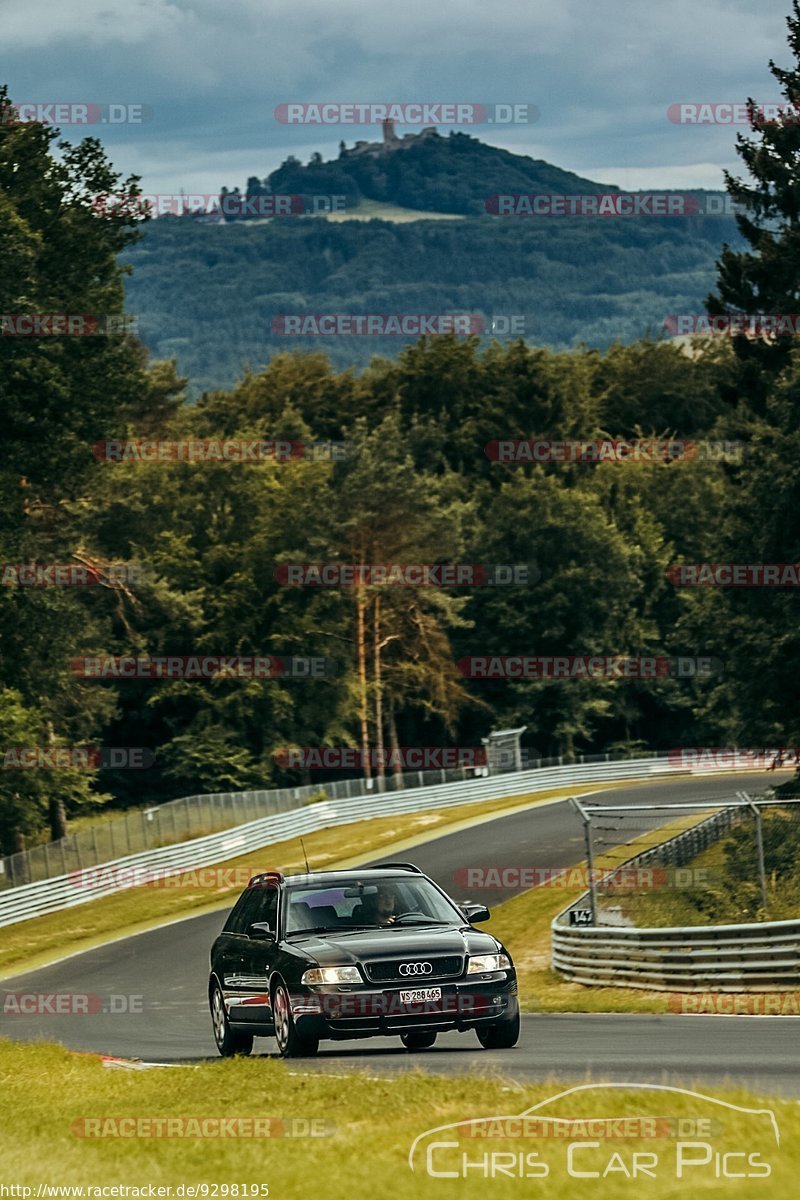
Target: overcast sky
x,y
602,74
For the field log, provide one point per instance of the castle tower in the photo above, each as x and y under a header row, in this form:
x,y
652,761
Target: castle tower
x,y
389,135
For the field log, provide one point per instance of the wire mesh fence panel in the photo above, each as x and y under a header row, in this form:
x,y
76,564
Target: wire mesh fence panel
x,y
731,861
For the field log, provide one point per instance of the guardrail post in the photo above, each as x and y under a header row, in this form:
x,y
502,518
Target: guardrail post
x,y
762,873
587,833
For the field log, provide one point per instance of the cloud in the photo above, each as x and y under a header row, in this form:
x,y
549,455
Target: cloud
x,y
602,72
33,24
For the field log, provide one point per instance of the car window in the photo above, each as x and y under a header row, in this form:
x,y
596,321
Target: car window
x,y
267,908
256,904
351,904
236,915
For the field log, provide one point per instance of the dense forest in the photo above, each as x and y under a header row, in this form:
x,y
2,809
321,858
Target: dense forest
x,y
210,296
210,541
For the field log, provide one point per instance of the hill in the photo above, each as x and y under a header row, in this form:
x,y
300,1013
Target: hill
x,y
427,172
214,296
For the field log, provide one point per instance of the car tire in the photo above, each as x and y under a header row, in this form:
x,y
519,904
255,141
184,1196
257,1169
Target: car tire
x,y
418,1039
229,1041
502,1036
291,1044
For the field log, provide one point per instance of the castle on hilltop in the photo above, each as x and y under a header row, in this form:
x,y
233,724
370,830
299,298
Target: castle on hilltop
x,y
390,141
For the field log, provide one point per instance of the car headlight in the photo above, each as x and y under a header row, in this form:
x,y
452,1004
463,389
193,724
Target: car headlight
x,y
332,975
488,962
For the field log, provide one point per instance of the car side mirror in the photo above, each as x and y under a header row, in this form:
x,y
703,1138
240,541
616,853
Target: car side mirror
x,y
475,912
262,931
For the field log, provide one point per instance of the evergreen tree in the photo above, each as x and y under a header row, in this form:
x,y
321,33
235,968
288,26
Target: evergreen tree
x,y
766,278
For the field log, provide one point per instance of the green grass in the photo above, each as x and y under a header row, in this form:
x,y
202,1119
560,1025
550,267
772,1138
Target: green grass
x,y
720,898
371,1123
371,209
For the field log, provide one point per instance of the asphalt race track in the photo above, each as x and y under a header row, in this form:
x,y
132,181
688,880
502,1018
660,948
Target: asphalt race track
x,y
165,971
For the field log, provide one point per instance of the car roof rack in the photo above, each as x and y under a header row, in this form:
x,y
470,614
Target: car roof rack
x,y
265,878
401,866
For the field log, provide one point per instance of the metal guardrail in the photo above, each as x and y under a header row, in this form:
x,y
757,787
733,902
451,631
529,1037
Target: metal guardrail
x,y
82,885
725,958
752,957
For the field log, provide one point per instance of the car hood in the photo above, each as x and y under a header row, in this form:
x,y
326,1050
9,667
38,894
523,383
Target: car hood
x,y
341,947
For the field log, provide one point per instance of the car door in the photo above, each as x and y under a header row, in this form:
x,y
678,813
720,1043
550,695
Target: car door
x,y
232,948
257,956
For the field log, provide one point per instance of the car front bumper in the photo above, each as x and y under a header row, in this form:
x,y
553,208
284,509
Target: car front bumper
x,y
339,1012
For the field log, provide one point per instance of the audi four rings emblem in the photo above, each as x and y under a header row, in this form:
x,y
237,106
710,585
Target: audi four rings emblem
x,y
416,968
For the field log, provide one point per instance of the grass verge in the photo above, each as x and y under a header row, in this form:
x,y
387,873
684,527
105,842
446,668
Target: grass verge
x,y
369,210
371,1124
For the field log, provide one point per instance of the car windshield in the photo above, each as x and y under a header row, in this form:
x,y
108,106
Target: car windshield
x,y
371,904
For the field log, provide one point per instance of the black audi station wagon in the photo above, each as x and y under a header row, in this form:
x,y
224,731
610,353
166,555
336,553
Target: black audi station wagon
x,y
353,954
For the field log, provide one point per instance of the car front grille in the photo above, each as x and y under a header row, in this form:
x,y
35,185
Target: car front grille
x,y
443,967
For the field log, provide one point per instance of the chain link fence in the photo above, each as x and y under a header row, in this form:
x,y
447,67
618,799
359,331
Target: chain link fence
x,y
708,865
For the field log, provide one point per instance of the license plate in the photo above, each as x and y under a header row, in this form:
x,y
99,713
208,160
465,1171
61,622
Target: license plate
x,y
420,995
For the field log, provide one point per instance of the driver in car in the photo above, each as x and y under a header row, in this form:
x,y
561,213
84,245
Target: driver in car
x,y
385,906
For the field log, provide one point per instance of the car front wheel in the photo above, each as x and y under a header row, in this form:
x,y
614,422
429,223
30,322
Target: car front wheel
x,y
291,1043
229,1041
502,1036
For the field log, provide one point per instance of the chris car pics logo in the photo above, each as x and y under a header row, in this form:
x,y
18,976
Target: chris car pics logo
x,y
598,1132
